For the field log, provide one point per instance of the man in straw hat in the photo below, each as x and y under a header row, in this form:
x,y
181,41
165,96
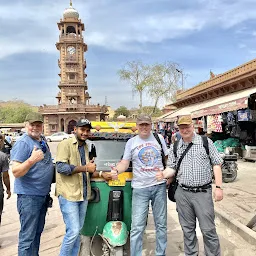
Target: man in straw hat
x,y
194,193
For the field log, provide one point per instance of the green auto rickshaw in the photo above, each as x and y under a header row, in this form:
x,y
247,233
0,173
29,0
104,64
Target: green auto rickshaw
x,y
109,209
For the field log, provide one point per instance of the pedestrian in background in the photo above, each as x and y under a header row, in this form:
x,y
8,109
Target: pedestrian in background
x,y
33,170
194,193
145,153
4,177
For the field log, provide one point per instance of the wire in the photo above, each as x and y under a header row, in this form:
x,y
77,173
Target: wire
x,y
92,240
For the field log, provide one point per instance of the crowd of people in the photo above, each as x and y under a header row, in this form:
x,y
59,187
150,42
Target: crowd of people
x,y
33,170
170,134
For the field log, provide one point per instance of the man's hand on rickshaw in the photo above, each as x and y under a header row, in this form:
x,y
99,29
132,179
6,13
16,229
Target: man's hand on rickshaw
x,y
114,173
90,167
106,176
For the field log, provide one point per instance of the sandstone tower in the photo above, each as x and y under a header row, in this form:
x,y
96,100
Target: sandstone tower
x,y
73,97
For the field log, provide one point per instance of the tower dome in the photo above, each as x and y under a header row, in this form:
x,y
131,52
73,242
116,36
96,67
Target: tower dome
x,y
70,12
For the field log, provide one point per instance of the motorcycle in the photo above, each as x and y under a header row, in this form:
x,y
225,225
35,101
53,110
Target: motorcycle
x,y
229,167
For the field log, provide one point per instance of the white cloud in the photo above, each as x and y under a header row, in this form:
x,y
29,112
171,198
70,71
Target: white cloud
x,y
114,25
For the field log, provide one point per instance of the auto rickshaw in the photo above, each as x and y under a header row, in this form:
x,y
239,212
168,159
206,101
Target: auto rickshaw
x,y
109,210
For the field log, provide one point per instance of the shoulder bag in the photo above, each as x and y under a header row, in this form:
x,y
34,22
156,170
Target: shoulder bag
x,y
173,186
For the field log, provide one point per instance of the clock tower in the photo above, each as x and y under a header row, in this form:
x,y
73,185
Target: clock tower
x,y
73,97
72,64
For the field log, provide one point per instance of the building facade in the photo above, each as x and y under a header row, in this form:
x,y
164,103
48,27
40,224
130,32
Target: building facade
x,y
221,93
73,97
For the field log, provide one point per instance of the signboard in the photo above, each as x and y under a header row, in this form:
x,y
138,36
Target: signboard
x,y
111,135
221,108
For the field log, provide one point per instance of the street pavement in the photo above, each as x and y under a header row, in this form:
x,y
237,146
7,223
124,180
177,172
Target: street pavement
x,y
240,196
231,243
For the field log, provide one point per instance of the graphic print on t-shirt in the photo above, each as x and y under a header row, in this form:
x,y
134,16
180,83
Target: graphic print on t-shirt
x,y
148,156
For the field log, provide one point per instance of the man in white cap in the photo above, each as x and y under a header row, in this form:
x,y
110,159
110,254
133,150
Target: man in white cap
x,y
145,153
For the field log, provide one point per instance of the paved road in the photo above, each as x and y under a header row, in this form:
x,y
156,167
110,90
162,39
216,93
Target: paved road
x,y
231,243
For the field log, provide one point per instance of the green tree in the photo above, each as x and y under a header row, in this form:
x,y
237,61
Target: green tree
x,y
149,111
137,74
122,110
14,111
163,82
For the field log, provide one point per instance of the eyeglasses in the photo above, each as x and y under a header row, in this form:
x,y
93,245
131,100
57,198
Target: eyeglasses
x,y
43,146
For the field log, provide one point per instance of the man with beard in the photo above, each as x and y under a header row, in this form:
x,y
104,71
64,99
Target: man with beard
x,y
73,184
33,170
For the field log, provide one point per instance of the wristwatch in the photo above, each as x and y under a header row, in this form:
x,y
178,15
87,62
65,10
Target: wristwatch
x,y
219,187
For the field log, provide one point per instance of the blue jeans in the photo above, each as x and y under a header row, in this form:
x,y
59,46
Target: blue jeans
x,y
140,205
32,211
73,215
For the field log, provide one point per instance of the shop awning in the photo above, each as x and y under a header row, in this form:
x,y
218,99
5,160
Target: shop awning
x,y
179,112
164,116
233,101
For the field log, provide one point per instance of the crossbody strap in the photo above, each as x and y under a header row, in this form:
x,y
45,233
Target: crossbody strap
x,y
182,156
162,151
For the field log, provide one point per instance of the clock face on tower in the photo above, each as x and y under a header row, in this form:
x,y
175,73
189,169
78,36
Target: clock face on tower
x,y
71,50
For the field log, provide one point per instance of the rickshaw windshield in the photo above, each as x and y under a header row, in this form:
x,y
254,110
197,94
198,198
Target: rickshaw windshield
x,y
109,153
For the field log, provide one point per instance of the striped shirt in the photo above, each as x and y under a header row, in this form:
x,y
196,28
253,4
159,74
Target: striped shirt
x,y
195,169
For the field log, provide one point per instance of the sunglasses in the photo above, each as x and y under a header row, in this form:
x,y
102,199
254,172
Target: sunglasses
x,y
43,146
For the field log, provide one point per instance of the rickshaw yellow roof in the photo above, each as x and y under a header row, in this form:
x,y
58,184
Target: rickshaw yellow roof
x,y
113,124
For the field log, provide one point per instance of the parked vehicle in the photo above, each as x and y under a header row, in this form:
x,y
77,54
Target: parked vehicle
x,y
58,136
229,167
109,210
16,136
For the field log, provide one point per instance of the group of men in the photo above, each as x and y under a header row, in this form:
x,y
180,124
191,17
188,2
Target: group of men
x,y
33,169
193,195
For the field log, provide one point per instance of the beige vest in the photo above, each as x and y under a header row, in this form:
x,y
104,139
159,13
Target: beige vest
x,y
71,186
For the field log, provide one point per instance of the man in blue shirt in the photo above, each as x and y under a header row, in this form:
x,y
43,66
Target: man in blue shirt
x,y
33,170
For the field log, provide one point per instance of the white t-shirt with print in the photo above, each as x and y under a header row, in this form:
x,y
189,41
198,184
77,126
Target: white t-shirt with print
x,y
146,158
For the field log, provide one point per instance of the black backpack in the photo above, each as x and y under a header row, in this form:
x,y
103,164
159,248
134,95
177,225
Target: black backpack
x,y
205,144
162,151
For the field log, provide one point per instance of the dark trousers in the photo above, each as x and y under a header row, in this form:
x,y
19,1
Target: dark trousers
x,y
32,211
1,206
192,206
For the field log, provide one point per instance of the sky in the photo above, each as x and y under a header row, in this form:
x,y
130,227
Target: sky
x,y
199,35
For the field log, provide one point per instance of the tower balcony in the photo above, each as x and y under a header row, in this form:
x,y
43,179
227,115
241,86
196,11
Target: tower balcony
x,y
71,38
84,65
71,59
71,83
71,70
69,106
